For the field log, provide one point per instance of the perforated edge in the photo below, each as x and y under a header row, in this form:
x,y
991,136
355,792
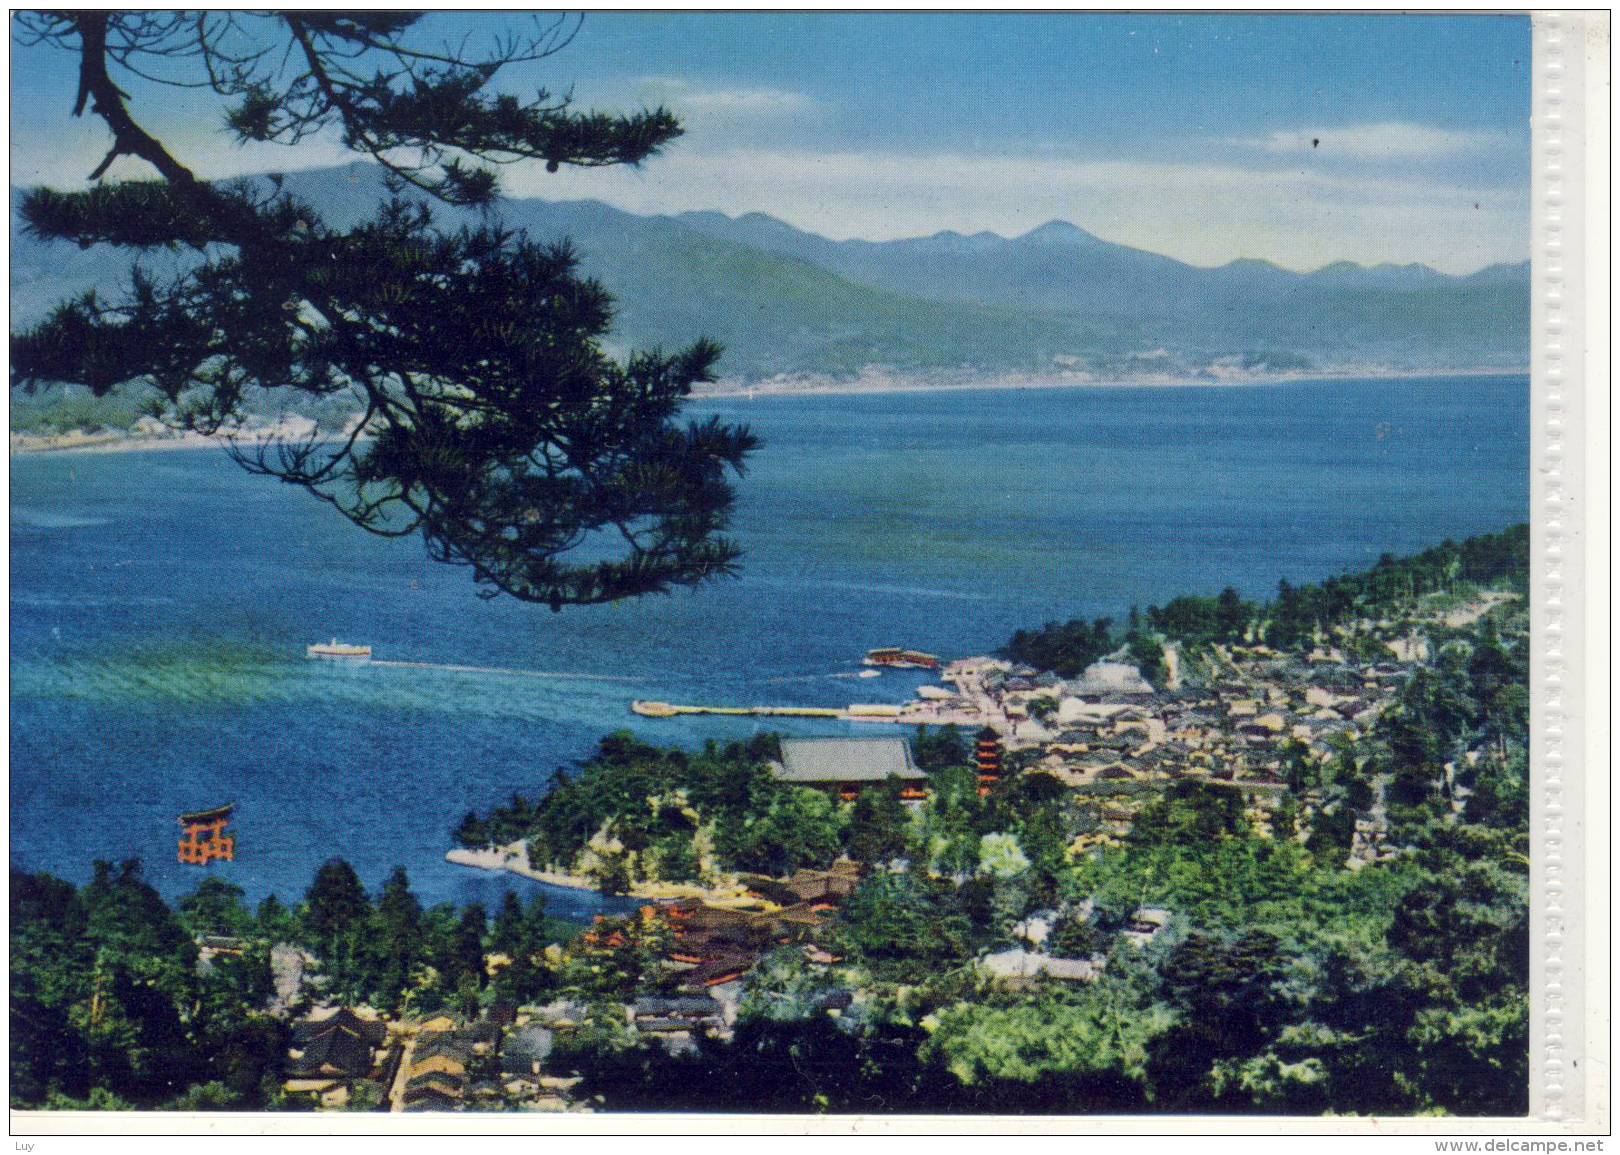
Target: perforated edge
x,y
1557,1091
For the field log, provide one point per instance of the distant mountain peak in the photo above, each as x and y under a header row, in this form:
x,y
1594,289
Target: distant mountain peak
x,y
1059,232
1254,263
1381,269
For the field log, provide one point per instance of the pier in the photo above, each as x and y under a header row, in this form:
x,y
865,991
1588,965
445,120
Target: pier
x,y
908,715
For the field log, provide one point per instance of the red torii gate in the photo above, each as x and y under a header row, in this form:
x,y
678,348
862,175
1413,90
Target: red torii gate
x,y
204,837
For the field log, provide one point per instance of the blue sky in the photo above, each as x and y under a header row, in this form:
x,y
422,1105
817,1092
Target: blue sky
x,y
1298,138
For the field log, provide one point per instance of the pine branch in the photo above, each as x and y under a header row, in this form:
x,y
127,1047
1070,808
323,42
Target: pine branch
x,y
494,424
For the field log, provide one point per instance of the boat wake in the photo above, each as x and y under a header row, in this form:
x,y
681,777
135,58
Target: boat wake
x,y
501,671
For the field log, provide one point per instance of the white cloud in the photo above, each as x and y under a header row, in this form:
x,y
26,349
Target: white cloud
x,y
685,97
1388,141
1207,213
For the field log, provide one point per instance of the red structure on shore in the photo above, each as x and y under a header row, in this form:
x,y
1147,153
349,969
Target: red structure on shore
x,y
988,756
204,838
900,659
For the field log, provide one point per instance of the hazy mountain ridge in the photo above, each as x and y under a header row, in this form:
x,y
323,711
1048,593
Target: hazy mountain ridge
x,y
1059,300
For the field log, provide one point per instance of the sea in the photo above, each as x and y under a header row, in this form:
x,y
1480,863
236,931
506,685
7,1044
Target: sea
x,y
161,602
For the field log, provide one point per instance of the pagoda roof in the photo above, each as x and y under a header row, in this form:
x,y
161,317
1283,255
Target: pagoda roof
x,y
344,1020
335,1053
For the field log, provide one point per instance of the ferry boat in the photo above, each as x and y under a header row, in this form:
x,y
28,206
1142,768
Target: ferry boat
x,y
336,650
896,658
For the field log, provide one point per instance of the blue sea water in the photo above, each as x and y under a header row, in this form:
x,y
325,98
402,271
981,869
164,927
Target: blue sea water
x,y
161,602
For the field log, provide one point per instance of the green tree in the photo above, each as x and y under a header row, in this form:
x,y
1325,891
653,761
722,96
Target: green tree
x,y
799,828
1076,1056
1190,812
950,821
336,917
1001,857
51,959
496,426
143,982
215,907
1232,615
521,934
473,832
1230,1002
905,924
464,959
1042,838
336,902
878,825
274,921
942,749
395,941
1333,832
243,1044
509,931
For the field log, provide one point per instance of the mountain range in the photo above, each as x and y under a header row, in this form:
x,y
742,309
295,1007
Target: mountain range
x,y
1055,302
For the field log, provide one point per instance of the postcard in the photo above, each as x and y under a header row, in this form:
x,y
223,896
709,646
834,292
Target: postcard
x,y
1008,571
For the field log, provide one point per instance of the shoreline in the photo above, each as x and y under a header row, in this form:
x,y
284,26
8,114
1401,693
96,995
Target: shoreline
x,y
868,386
514,859
131,440
125,441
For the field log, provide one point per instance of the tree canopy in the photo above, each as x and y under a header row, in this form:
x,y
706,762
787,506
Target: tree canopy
x,y
488,417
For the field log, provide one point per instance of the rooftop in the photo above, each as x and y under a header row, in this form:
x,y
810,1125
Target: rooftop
x,y
815,760
1021,964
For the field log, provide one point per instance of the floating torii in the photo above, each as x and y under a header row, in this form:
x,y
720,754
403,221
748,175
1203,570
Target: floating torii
x,y
204,837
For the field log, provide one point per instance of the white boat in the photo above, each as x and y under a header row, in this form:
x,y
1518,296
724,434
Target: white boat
x,y
336,650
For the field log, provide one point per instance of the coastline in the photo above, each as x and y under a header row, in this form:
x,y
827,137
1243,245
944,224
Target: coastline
x,y
287,429
126,441
514,859
872,384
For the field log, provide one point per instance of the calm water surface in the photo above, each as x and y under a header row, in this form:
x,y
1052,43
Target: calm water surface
x,y
161,601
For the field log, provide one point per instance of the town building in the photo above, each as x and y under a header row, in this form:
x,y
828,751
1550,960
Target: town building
x,y
332,1052
847,766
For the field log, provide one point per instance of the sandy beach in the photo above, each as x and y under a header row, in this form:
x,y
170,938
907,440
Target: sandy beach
x,y
514,859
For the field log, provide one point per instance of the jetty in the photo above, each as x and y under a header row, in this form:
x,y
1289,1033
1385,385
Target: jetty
x,y
911,714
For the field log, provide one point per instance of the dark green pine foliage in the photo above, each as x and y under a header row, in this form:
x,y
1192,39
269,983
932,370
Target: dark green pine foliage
x,y
1230,1000
1291,622
492,422
396,944
941,749
463,960
336,918
877,831
1064,648
109,1008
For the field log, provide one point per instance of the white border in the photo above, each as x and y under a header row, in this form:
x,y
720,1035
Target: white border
x,y
1570,678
